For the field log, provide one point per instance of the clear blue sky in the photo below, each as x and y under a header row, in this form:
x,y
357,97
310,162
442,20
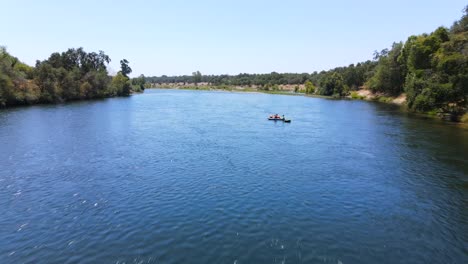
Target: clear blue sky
x,y
175,37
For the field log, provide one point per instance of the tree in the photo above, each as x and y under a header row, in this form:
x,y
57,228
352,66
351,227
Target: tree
x,y
125,69
332,84
389,75
139,83
309,87
197,77
461,25
121,85
71,75
437,75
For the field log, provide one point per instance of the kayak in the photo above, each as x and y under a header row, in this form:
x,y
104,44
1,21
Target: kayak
x,y
280,119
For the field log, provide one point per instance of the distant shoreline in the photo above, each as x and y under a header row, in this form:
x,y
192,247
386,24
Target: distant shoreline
x,y
239,89
364,94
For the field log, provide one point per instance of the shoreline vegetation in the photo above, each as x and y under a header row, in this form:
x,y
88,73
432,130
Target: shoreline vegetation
x,y
428,73
68,76
361,94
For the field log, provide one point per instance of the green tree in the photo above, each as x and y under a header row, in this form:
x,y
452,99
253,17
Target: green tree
x,y
197,77
461,25
332,84
138,84
71,75
124,68
121,85
389,74
437,72
309,87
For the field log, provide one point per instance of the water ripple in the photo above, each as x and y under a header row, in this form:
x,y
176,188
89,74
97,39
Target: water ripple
x,y
187,177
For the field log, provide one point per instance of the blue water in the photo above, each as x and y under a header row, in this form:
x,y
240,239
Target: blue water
x,y
202,177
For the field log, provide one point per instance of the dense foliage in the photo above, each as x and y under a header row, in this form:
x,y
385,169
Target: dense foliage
x,y
71,75
432,69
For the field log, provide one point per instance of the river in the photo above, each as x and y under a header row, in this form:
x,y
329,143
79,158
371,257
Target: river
x,y
173,176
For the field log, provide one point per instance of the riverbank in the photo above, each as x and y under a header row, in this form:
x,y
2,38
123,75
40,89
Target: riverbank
x,y
61,101
227,88
63,78
368,95
401,100
362,94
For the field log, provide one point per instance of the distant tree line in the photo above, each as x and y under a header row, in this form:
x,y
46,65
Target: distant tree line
x,y
353,76
70,75
432,69
243,79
